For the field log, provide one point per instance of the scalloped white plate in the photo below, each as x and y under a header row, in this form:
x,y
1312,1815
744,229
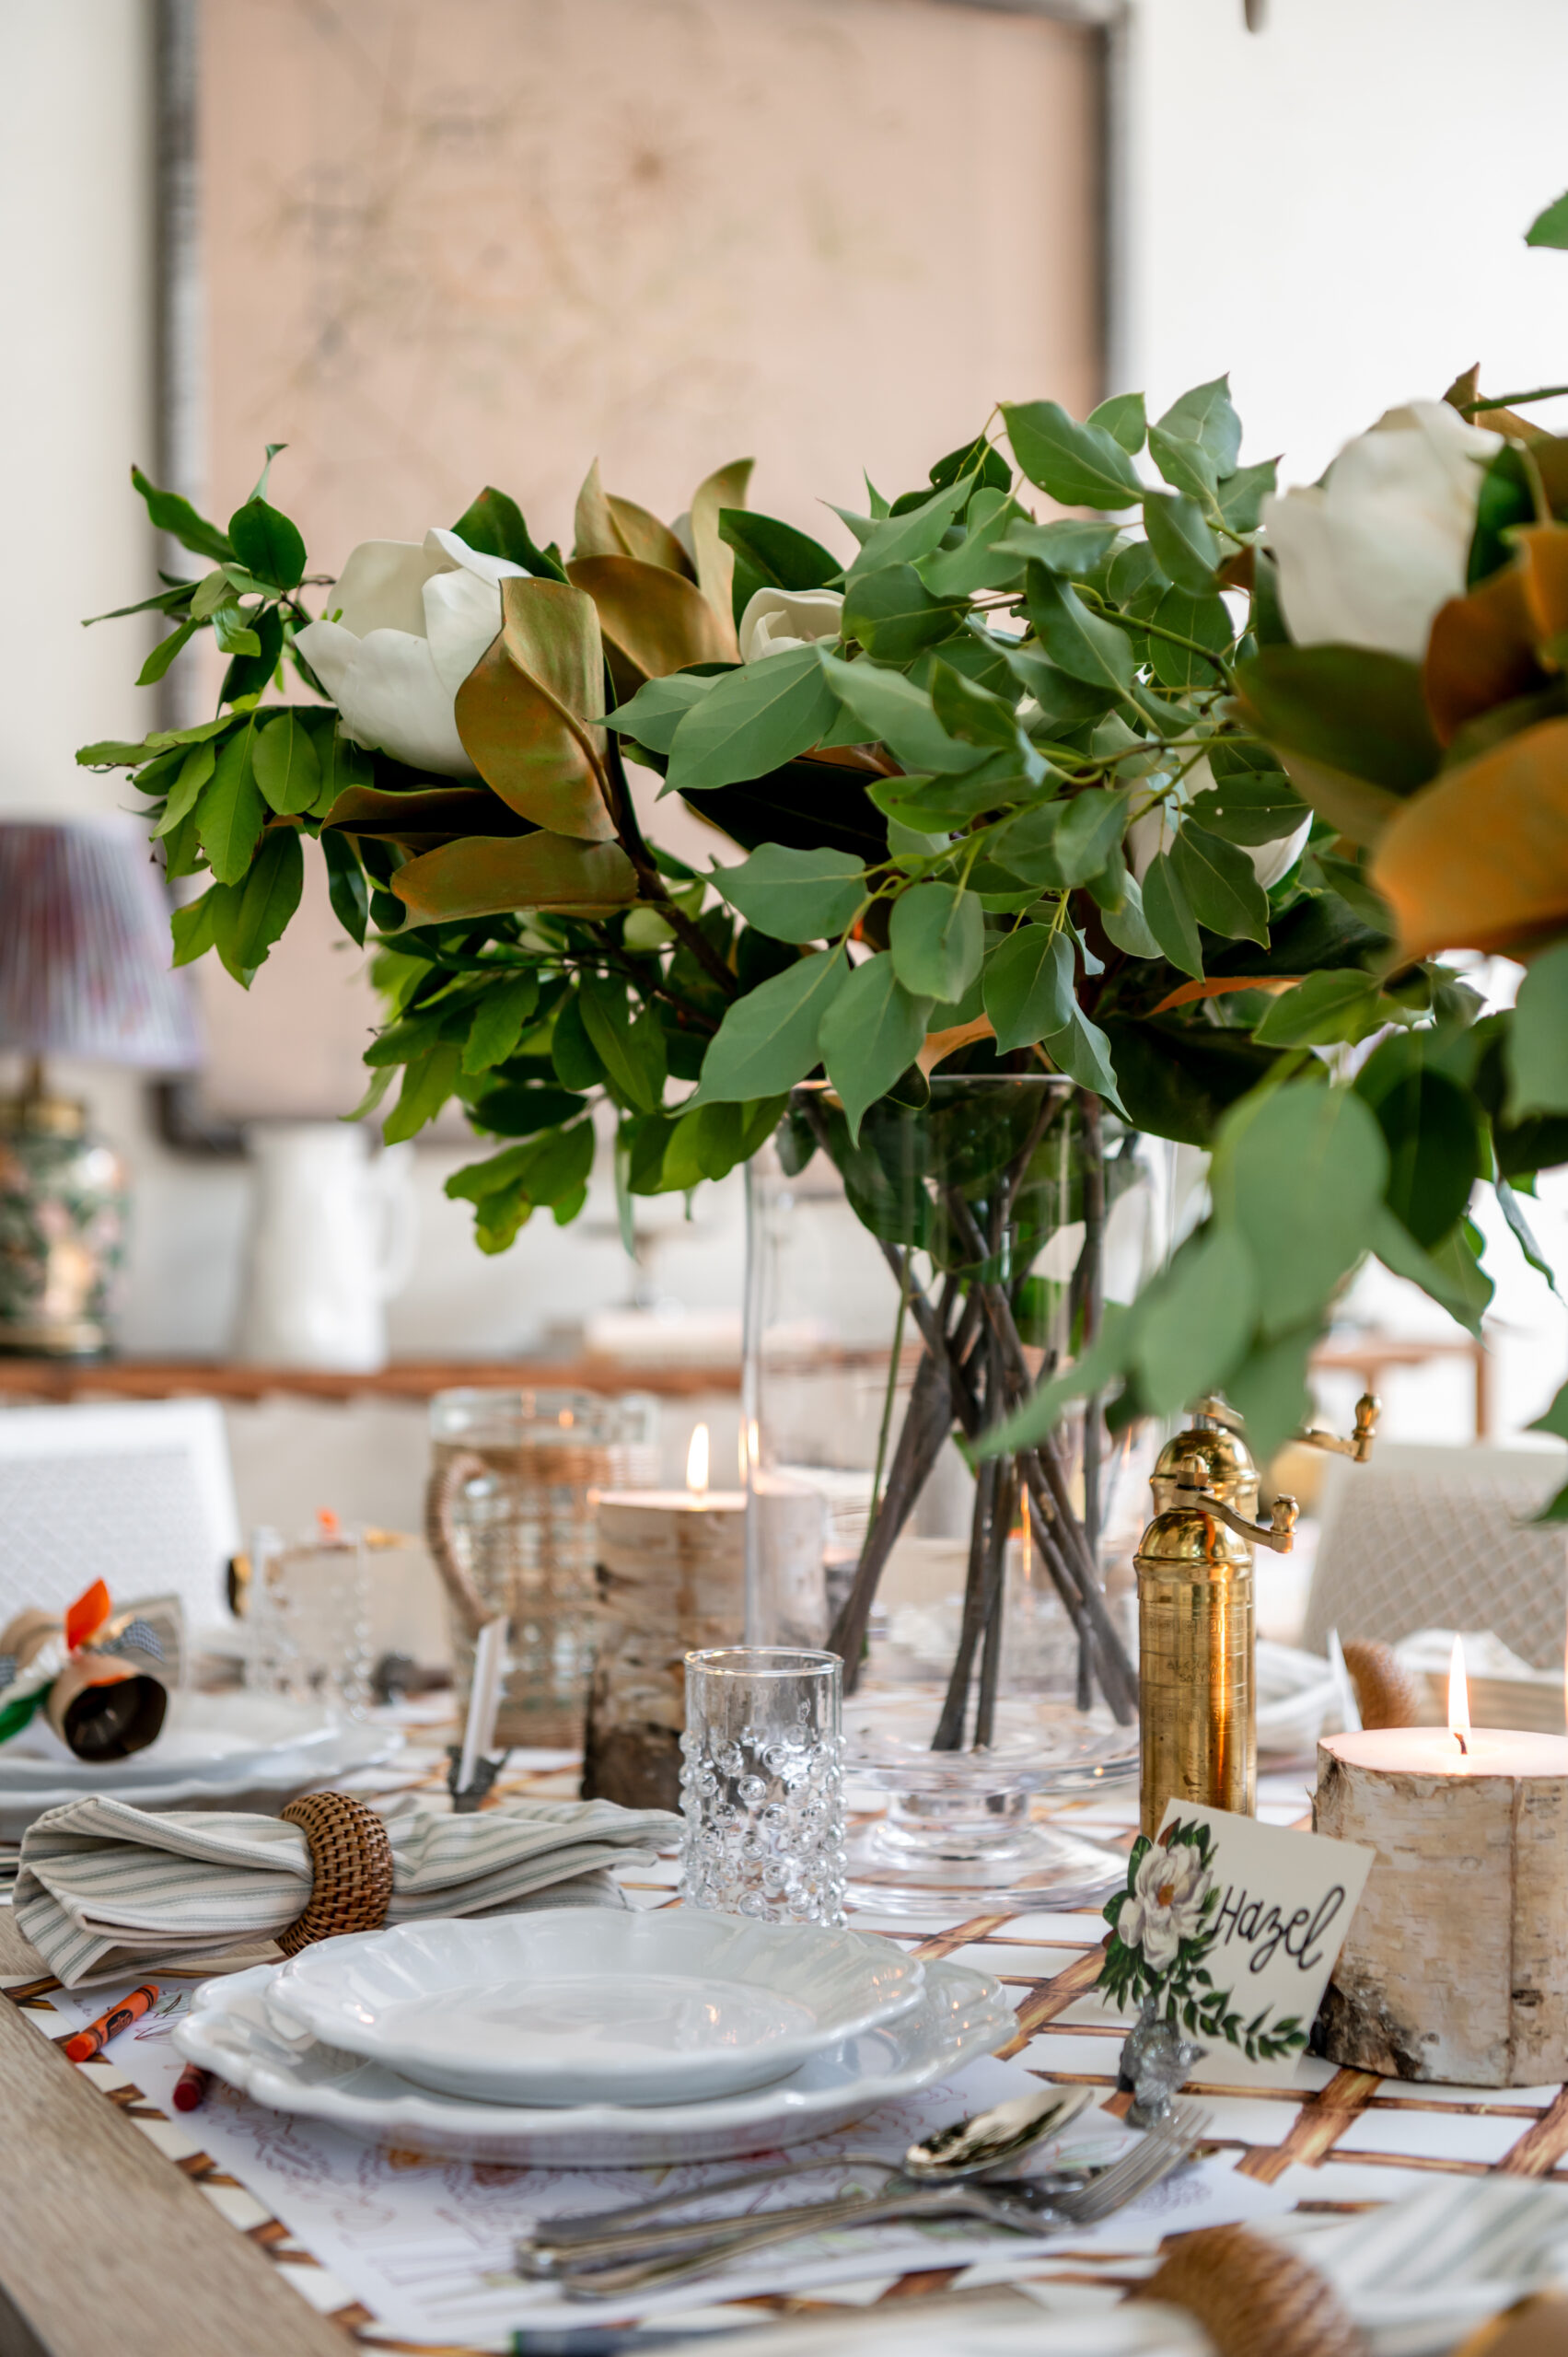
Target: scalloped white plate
x,y
958,2016
263,1783
668,2006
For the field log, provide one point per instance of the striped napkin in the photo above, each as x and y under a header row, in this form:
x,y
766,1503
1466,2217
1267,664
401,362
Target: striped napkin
x,y
105,1887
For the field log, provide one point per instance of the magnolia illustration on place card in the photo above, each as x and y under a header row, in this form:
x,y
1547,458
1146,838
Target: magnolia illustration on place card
x,y
1226,1933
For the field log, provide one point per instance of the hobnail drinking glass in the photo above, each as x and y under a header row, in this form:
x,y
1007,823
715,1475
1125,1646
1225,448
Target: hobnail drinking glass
x,y
761,1784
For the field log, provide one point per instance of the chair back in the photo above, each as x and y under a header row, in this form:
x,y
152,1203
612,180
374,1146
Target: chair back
x,y
1425,1538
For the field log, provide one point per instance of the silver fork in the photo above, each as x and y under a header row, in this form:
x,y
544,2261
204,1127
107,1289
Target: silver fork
x,y
669,2257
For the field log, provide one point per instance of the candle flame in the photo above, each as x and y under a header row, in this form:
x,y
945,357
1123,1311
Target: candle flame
x,y
697,1462
1458,1697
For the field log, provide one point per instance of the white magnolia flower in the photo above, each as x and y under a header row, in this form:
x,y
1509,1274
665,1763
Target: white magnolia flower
x,y
1167,1904
1155,831
1366,556
411,621
776,620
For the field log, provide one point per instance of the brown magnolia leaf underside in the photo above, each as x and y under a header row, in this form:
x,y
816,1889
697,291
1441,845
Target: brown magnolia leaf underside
x,y
521,713
438,814
942,1044
1481,652
1480,859
726,487
487,874
1191,993
604,525
654,623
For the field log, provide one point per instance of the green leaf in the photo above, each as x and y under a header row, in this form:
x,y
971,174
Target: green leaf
x,y
1028,986
892,710
1167,913
513,1110
768,1039
1524,1237
1076,641
1202,621
195,768
572,1053
1250,805
1433,1142
1205,416
232,630
267,544
652,716
1081,466
632,1053
779,556
164,653
1549,228
169,513
1449,1277
287,767
899,539
1536,1050
870,1036
232,812
1194,1325
1241,495
1107,1357
1301,1172
1065,545
1350,708
1555,1418
1321,1011
751,721
498,1021
494,523
975,716
263,904
1083,1051
1178,1078
1127,926
938,939
1184,546
1123,417
249,674
1185,464
1222,887
428,1080
191,927
981,562
347,887
1093,824
893,615
794,895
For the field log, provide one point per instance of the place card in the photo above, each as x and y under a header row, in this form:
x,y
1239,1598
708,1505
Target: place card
x,y
1237,1926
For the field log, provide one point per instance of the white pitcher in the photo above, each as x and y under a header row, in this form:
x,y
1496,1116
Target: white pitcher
x,y
332,1241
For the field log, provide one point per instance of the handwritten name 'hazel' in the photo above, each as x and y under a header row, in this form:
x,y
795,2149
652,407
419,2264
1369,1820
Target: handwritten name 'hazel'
x,y
1264,1929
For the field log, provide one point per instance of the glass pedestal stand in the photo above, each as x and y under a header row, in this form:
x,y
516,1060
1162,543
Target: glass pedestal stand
x,y
959,1833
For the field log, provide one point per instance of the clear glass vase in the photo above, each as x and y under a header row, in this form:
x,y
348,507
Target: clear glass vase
x,y
512,1528
902,1294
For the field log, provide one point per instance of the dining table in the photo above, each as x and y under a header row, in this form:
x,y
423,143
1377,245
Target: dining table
x,y
123,2234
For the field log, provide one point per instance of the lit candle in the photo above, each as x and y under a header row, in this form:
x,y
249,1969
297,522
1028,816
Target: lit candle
x,y
1455,1966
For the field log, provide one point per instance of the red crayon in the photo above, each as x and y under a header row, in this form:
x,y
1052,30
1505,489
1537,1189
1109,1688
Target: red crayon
x,y
97,2035
191,2087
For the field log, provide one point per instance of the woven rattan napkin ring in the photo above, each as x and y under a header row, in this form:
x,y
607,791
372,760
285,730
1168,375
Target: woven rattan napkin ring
x,y
352,1858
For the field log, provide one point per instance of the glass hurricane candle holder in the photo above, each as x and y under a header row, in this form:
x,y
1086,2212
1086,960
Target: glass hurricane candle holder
x,y
761,1784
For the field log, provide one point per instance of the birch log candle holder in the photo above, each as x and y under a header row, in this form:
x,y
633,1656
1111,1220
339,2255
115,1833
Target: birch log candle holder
x,y
1456,1964
671,1580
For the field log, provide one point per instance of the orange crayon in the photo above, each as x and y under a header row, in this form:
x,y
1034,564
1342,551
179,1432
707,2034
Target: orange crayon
x,y
97,2035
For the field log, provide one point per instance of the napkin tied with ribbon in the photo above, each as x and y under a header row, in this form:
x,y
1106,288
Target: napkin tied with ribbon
x,y
104,1888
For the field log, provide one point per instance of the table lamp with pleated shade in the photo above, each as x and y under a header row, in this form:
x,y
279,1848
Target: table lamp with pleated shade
x,y
84,973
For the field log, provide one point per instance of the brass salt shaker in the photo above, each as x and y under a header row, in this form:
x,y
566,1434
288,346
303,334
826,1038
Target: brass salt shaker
x,y
1196,1658
1197,1689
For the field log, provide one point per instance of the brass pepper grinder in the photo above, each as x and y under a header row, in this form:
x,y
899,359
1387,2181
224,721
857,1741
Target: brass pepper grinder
x,y
1196,1681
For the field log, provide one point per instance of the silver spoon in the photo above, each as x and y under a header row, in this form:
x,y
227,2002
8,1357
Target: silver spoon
x,y
966,2148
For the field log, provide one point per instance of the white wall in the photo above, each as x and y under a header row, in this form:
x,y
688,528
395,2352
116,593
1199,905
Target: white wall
x,y
1334,209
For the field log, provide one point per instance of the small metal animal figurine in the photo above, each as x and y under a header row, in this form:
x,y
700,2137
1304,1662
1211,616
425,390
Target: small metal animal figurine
x,y
1156,2058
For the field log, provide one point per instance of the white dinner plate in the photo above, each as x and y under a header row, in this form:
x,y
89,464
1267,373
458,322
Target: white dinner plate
x,y
658,2007
264,1784
958,2016
211,1735
1297,1694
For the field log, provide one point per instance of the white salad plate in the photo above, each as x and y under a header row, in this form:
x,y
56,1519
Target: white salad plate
x,y
213,1736
658,2007
263,1783
958,2016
